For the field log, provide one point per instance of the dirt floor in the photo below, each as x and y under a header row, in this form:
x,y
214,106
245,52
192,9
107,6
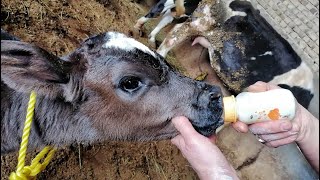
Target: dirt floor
x,y
59,26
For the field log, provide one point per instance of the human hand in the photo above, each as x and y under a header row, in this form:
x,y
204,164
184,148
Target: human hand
x,y
201,152
281,132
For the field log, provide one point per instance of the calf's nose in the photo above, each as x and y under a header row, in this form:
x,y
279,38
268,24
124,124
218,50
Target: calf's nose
x,y
214,96
208,92
209,109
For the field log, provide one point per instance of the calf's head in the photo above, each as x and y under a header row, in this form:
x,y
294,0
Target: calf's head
x,y
120,87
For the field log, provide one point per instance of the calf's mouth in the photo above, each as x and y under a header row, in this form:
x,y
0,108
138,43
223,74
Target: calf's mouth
x,y
208,109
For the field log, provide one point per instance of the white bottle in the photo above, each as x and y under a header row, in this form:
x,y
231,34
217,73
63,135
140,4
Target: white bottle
x,y
249,107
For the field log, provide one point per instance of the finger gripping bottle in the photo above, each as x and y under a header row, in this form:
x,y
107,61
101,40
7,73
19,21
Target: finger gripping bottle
x,y
249,107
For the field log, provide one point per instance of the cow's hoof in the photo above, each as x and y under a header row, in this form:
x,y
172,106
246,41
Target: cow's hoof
x,y
137,32
152,43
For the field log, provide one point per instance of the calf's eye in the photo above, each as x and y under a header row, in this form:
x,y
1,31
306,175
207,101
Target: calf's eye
x,y
130,83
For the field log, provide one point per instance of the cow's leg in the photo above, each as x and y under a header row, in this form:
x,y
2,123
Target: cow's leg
x,y
198,26
180,9
178,34
141,21
155,11
166,19
137,30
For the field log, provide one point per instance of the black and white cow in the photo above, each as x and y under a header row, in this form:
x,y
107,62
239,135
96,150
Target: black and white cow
x,y
170,10
244,48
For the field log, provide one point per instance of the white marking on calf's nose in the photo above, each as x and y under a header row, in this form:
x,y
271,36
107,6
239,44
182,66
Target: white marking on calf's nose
x,y
267,53
118,40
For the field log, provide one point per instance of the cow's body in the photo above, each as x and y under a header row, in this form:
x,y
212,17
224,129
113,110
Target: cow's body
x,y
111,87
244,48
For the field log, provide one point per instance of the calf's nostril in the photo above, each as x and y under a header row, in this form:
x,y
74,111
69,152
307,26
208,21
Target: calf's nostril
x,y
214,96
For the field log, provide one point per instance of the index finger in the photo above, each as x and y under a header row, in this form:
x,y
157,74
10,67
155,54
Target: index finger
x,y
269,127
260,86
240,126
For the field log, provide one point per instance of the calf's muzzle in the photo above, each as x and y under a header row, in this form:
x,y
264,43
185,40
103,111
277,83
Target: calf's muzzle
x,y
209,106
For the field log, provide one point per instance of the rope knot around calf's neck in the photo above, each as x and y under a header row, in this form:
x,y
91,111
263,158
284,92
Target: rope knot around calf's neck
x,y
30,172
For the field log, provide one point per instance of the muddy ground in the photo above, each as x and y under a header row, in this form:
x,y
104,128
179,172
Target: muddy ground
x,y
59,26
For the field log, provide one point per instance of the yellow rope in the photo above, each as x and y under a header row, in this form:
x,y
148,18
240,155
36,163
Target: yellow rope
x,y
29,172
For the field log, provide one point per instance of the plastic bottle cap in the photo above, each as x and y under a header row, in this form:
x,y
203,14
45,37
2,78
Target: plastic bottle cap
x,y
229,106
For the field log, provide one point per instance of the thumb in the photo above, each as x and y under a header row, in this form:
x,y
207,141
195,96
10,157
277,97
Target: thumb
x,y
178,141
183,125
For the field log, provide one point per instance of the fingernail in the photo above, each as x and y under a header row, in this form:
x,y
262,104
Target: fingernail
x,y
286,126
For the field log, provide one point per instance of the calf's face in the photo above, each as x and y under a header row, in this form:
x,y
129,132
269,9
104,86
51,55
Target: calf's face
x,y
125,90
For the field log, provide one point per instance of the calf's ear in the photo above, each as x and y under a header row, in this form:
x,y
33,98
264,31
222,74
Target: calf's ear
x,y
25,67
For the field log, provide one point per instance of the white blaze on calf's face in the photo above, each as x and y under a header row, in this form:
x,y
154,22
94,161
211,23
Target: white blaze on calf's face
x,y
121,41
